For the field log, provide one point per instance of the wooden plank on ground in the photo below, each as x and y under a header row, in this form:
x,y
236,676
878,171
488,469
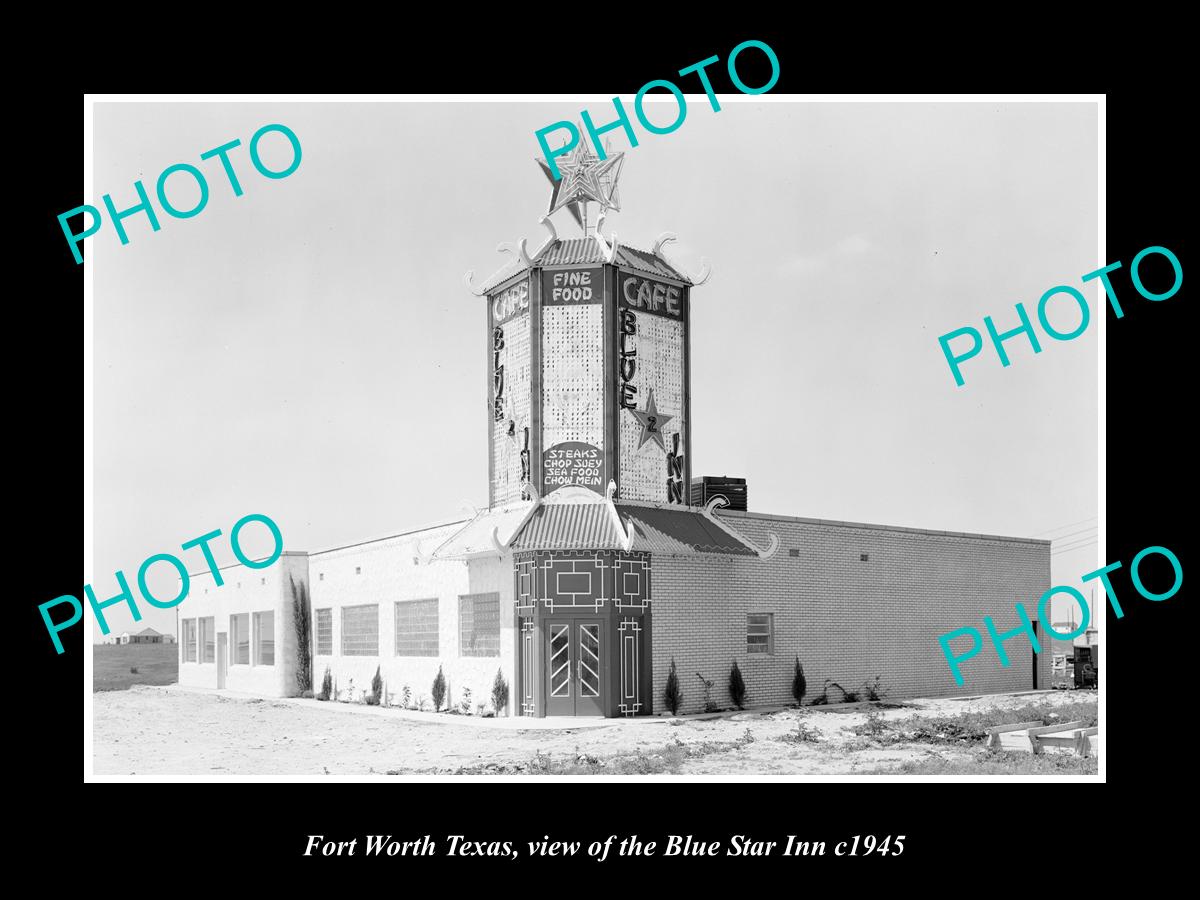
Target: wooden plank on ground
x,y
1070,741
1087,741
1035,734
994,733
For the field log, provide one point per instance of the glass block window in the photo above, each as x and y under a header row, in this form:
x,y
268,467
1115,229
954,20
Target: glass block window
x,y
239,638
360,630
479,624
760,633
324,632
264,638
417,627
189,640
208,649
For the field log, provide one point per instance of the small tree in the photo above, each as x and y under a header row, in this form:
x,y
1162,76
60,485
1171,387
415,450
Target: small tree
x,y
873,690
799,685
672,695
376,694
302,616
439,690
709,706
326,685
500,693
737,687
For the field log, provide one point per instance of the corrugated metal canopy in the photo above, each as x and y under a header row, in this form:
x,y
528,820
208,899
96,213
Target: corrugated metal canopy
x,y
585,251
476,536
590,526
681,530
570,526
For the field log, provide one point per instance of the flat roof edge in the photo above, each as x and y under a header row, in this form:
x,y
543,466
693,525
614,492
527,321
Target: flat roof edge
x,y
742,514
445,524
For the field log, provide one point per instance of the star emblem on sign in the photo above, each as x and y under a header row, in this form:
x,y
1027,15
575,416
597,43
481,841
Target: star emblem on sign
x,y
652,422
585,178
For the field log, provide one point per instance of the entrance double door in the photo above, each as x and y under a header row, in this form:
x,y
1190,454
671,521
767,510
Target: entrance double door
x,y
574,667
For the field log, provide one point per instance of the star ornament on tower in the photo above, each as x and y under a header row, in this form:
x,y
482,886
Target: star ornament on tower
x,y
652,422
585,179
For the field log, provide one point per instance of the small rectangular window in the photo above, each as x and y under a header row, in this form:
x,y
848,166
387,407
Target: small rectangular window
x,y
760,633
795,551
417,627
324,632
360,630
208,650
479,624
264,638
189,640
863,557
239,638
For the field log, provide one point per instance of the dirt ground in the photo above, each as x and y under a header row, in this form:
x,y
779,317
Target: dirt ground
x,y
151,731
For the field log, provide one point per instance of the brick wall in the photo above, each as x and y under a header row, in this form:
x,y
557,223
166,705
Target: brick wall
x,y
847,619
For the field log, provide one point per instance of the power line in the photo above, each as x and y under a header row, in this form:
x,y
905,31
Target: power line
x,y
1078,542
1063,537
1072,547
1068,525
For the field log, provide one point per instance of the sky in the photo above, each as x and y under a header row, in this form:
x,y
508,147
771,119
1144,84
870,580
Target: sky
x,y
309,351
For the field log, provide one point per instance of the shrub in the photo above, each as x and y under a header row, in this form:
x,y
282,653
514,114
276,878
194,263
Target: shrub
x,y
799,685
802,735
406,697
873,690
376,694
673,696
133,670
302,616
824,700
307,695
806,735
465,703
326,686
737,687
874,727
439,690
500,693
709,706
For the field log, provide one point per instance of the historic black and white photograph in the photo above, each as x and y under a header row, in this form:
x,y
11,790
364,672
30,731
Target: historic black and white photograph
x,y
702,436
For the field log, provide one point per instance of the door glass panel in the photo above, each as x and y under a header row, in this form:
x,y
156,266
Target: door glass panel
x,y
560,661
628,676
589,660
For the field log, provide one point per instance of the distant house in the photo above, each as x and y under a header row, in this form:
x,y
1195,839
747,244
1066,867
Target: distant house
x,y
146,636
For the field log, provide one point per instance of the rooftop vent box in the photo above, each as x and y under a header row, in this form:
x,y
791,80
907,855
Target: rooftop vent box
x,y
709,486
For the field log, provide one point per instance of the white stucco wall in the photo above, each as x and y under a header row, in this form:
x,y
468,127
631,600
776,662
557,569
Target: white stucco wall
x,y
245,590
390,570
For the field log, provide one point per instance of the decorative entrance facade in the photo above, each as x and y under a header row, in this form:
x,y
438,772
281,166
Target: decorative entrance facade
x,y
583,633
574,667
